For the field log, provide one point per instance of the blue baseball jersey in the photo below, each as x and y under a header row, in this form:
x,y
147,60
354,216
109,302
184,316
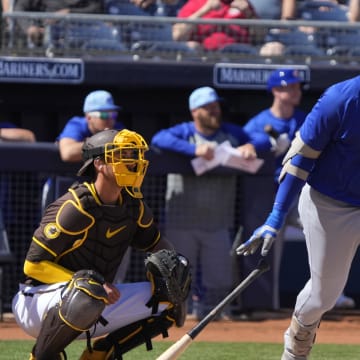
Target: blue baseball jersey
x,y
281,126
333,127
183,138
77,128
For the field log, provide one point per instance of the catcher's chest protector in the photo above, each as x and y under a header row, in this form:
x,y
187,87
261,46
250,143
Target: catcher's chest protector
x,y
104,242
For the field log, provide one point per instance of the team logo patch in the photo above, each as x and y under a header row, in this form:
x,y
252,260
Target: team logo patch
x,y
51,231
110,233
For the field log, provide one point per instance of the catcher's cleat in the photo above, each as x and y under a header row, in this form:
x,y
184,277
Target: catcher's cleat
x,y
61,356
95,355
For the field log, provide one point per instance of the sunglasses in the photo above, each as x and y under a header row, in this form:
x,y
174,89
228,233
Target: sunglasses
x,y
104,115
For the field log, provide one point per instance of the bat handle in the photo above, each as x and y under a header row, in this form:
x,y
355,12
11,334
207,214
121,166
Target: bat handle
x,y
174,351
270,131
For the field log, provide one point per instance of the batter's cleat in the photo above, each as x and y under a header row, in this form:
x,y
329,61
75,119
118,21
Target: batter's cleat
x,y
287,356
344,302
299,340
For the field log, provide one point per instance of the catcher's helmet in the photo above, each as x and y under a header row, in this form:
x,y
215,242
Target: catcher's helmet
x,y
124,150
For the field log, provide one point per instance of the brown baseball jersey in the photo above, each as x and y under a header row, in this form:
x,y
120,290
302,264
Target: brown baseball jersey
x,y
78,232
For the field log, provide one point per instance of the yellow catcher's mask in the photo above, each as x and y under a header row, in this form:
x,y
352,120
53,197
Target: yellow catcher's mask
x,y
124,150
126,154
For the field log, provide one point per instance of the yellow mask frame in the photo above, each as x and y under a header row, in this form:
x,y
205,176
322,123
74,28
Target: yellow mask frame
x,y
126,155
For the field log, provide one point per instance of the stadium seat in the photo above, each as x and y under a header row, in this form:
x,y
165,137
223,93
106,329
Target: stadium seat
x,y
341,43
69,37
236,51
164,49
303,50
121,7
153,32
337,38
291,37
242,49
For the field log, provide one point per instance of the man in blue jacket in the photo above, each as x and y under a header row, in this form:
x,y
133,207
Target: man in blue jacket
x,y
199,213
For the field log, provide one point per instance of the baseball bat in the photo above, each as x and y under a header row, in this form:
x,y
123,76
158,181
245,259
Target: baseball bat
x,y
175,350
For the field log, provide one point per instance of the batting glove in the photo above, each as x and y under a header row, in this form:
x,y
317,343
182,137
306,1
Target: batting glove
x,y
263,235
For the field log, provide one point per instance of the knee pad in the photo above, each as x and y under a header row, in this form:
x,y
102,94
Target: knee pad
x,y
83,301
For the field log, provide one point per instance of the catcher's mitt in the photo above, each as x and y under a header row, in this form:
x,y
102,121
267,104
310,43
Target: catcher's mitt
x,y
170,276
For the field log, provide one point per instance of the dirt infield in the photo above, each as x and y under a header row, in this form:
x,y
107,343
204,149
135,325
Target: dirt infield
x,y
336,328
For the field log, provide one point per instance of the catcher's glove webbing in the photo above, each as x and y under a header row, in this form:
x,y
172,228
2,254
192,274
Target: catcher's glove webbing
x,y
169,274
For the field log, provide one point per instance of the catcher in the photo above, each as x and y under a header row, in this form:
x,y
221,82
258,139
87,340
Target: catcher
x,y
67,292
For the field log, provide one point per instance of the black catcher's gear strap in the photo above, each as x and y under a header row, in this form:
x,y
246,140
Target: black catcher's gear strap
x,y
120,341
170,276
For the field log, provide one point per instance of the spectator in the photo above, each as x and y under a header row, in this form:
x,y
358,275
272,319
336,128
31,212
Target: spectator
x,y
199,213
35,32
322,163
273,10
303,39
6,5
280,122
283,118
354,10
70,266
10,132
208,36
100,112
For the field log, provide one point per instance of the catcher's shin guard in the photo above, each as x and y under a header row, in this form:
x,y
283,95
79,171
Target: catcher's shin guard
x,y
117,343
61,356
170,277
299,340
83,301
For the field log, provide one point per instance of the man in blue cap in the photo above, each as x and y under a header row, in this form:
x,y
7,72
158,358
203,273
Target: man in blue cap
x,y
283,118
281,122
200,209
100,113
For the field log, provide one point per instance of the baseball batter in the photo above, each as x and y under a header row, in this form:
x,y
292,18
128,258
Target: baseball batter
x,y
324,163
68,289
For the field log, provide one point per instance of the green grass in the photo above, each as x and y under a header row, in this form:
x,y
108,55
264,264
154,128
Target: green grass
x,y
19,350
